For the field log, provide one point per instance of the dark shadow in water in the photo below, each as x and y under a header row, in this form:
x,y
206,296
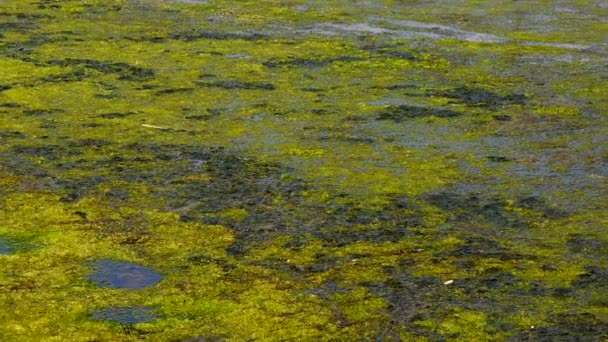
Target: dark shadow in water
x,y
566,327
402,112
125,315
123,275
480,97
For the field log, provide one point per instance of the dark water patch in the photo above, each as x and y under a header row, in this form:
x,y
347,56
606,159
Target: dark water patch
x,y
127,230
125,314
567,327
174,91
357,139
579,243
399,86
347,138
203,339
502,117
478,247
117,193
540,205
200,35
199,117
456,202
7,246
327,288
498,159
411,299
491,279
73,189
205,260
22,25
319,111
216,35
115,115
74,76
24,49
343,224
356,118
107,96
47,152
95,143
212,113
83,215
233,179
11,245
48,4
309,62
402,112
313,89
123,275
398,54
148,87
389,50
124,71
474,206
235,84
24,16
12,135
495,292
50,112
92,124
593,276
236,180
22,165
480,97
344,237
10,105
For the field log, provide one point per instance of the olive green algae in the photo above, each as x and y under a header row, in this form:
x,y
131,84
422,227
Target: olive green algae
x,y
301,171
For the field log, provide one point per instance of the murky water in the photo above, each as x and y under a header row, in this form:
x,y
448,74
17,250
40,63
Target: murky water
x,y
123,275
303,170
7,247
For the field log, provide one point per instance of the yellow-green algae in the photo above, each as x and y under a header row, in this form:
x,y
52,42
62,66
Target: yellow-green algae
x,y
241,151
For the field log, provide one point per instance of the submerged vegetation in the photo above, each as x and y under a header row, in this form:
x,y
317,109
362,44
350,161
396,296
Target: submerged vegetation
x,y
262,170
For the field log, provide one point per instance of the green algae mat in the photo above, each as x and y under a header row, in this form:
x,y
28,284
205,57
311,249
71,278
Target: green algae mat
x,y
303,170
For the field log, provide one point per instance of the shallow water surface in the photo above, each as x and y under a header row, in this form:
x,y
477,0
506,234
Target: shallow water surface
x,y
123,275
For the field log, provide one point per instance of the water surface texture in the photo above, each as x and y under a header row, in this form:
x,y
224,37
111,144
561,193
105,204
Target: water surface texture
x,y
304,170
